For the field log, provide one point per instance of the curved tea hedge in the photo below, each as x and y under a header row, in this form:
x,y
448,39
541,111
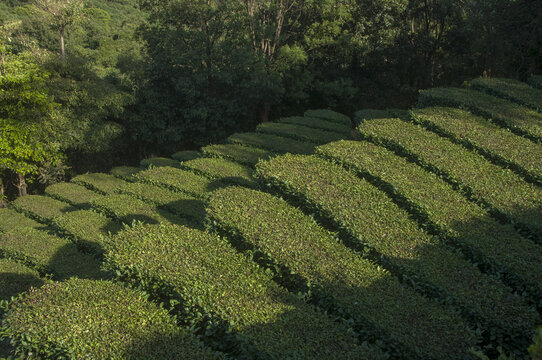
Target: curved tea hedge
x,y
87,229
370,217
48,254
359,287
494,142
246,155
369,114
329,115
176,202
208,274
102,183
39,207
11,219
159,162
517,118
301,133
316,123
499,189
178,180
83,319
221,169
497,245
16,278
510,89
272,143
71,193
125,172
186,155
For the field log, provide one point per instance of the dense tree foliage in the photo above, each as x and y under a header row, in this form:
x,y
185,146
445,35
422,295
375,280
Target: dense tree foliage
x,y
165,75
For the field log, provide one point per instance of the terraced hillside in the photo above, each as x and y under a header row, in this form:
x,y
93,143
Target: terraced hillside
x,y
419,238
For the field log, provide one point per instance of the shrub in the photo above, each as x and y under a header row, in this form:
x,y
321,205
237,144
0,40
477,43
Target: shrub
x,y
178,180
39,207
176,202
210,276
358,286
246,155
10,219
106,321
272,143
497,246
48,254
223,170
329,115
86,228
125,172
102,183
71,193
497,144
510,89
186,155
368,216
16,278
301,133
316,123
159,162
519,119
496,188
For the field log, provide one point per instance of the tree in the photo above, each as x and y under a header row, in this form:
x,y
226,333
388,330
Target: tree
x,y
63,13
27,133
7,29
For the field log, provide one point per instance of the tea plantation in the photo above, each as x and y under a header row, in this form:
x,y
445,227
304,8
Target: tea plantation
x,y
418,235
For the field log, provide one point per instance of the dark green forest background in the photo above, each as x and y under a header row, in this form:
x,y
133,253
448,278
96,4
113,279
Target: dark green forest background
x,y
138,78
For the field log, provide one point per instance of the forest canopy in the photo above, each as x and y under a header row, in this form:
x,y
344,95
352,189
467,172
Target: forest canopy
x,y
85,84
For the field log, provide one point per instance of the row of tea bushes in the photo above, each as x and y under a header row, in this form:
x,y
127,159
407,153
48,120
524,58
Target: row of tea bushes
x,y
179,180
16,278
510,89
495,143
519,119
274,143
71,193
370,217
499,247
159,162
329,115
207,275
104,184
222,170
316,123
245,155
301,133
84,319
501,190
360,288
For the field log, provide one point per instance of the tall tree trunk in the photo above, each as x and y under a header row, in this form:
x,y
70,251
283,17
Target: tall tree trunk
x,y
21,185
2,197
62,50
266,109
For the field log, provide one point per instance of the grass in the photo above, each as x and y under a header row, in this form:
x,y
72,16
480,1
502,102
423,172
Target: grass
x,y
519,119
362,289
208,274
496,143
501,190
370,217
489,242
106,321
